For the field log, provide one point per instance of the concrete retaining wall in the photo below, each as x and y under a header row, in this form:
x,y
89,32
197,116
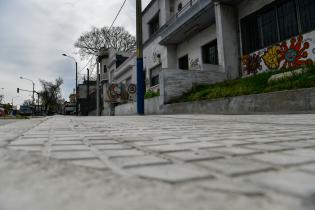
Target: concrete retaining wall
x,y
294,101
152,106
174,82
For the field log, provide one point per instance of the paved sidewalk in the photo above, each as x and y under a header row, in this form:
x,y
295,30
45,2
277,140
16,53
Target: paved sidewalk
x,y
159,162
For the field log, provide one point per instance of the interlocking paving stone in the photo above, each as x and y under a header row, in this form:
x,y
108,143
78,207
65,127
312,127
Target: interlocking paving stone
x,y
67,142
70,148
30,142
27,148
211,154
136,161
193,155
267,147
92,163
112,147
235,187
287,158
308,168
171,173
235,166
234,151
289,182
168,148
122,153
73,155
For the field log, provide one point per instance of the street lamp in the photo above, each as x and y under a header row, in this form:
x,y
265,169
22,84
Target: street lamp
x,y
76,81
33,98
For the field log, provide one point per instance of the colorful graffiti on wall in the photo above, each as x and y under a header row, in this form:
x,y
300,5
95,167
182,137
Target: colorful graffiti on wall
x,y
290,54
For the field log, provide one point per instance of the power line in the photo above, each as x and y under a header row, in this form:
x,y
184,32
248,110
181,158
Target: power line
x,y
118,14
122,6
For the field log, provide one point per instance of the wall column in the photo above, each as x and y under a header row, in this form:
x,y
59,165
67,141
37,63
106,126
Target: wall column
x,y
227,38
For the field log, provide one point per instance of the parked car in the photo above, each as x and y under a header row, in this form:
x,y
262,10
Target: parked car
x,y
2,112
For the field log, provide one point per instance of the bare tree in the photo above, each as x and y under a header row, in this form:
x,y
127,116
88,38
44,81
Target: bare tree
x,y
28,102
51,95
89,43
1,98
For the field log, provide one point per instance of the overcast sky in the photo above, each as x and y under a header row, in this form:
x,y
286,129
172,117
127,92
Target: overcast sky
x,y
34,34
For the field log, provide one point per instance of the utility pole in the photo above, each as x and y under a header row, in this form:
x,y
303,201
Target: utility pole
x,y
140,79
76,89
88,91
97,88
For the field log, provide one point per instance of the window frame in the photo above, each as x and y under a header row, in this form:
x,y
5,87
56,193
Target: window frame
x,y
154,19
213,43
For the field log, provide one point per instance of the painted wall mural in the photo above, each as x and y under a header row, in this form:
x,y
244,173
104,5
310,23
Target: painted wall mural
x,y
291,54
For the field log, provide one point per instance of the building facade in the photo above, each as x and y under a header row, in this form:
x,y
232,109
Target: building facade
x,y
117,71
231,38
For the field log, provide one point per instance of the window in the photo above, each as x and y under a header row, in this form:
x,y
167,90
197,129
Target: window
x,y
307,8
183,62
155,75
105,69
210,53
268,22
277,22
179,7
154,24
250,34
288,22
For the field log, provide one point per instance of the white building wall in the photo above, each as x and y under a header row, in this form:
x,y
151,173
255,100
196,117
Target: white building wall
x,y
193,47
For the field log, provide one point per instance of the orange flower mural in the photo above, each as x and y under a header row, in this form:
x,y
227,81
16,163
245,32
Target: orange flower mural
x,y
251,63
294,55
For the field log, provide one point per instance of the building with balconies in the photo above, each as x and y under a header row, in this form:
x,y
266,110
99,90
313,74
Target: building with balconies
x,y
214,40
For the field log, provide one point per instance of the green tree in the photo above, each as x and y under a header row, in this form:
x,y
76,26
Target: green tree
x,y
51,95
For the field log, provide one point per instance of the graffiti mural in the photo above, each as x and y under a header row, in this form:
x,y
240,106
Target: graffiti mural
x,y
120,93
252,63
291,54
194,64
295,54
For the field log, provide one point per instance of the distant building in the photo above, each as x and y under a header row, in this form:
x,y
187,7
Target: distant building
x,y
117,70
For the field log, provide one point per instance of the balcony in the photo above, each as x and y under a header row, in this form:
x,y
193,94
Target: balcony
x,y
195,16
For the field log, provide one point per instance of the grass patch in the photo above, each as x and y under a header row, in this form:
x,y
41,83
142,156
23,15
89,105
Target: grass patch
x,y
18,117
151,94
251,85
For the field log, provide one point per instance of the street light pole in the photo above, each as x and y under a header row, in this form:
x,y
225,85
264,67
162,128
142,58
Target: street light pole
x,y
140,79
76,83
33,98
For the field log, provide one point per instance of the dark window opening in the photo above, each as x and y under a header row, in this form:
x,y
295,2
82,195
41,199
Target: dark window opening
x,y
179,7
183,63
120,60
105,69
154,74
269,29
288,22
210,53
250,34
154,24
307,8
